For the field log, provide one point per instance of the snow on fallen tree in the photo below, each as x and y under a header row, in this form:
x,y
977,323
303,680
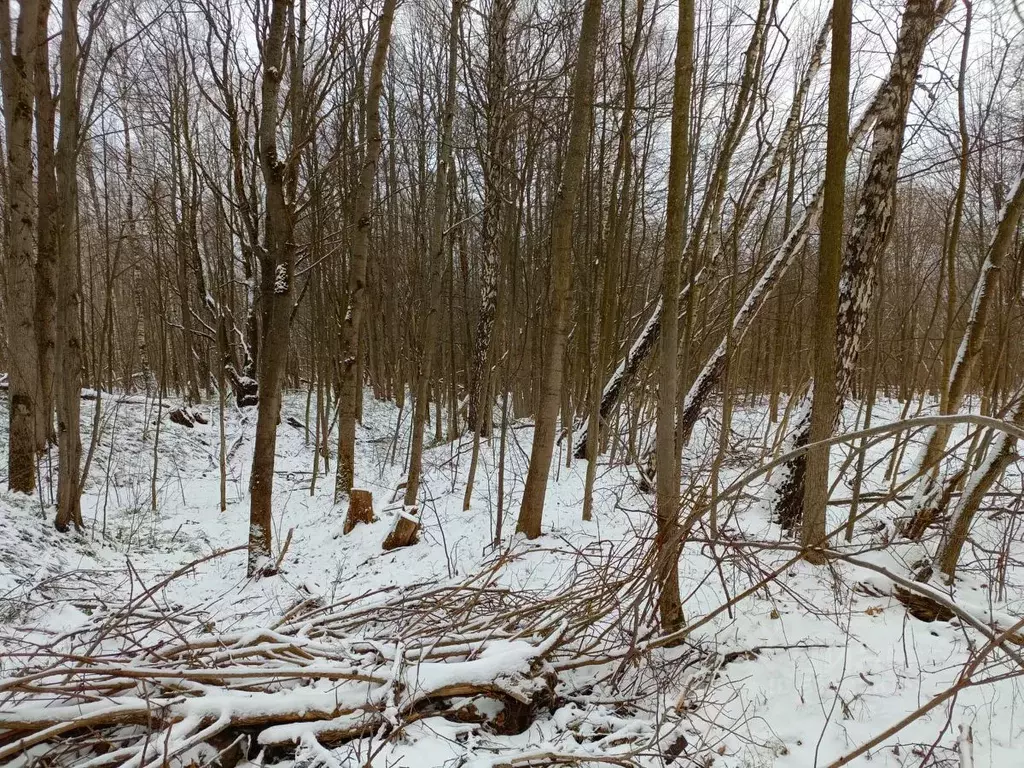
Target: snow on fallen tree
x,y
275,685
142,686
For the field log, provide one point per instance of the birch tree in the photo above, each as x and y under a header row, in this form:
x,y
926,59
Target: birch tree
x,y
868,232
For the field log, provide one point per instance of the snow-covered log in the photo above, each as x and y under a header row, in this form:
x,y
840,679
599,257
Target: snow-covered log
x,y
278,685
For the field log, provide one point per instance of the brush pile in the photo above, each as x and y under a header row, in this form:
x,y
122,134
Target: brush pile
x,y
148,683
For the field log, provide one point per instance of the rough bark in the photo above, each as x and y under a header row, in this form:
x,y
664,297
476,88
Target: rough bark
x,y
868,233
494,170
360,509
17,74
277,258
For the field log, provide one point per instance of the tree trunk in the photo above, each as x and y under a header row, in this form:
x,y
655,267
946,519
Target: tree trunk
x,y
668,542
868,233
830,255
351,387
46,245
277,259
69,289
495,173
532,509
430,323
17,72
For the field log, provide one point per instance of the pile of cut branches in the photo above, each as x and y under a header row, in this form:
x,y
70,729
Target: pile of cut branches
x,y
148,683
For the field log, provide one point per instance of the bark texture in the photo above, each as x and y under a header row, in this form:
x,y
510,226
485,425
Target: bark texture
x,y
868,233
17,73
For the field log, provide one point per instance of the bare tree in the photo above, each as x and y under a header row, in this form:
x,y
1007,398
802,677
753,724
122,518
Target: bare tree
x,y
17,74
668,541
869,230
581,95
351,386
830,257
68,317
277,264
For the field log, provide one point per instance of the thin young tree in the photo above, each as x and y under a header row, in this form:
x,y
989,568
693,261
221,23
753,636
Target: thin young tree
x,y
46,247
69,289
435,254
351,387
830,257
563,208
668,540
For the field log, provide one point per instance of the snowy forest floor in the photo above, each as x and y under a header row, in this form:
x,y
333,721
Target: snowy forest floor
x,y
802,671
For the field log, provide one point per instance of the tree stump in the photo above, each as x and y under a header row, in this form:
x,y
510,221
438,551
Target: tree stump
x,y
406,530
360,509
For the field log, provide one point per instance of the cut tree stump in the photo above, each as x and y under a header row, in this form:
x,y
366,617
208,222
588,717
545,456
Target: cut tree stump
x,y
406,530
360,509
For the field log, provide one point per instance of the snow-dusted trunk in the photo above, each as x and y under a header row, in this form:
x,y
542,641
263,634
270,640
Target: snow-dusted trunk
x,y
18,68
869,230
277,266
351,386
929,493
1001,453
710,375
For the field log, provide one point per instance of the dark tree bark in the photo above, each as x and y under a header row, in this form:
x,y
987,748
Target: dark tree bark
x,y
17,75
69,288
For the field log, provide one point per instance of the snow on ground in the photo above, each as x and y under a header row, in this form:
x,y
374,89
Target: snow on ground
x,y
804,670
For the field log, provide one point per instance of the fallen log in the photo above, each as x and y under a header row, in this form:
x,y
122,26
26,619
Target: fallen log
x,y
386,695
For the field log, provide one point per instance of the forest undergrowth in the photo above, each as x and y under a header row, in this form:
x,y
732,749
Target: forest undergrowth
x,y
139,643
